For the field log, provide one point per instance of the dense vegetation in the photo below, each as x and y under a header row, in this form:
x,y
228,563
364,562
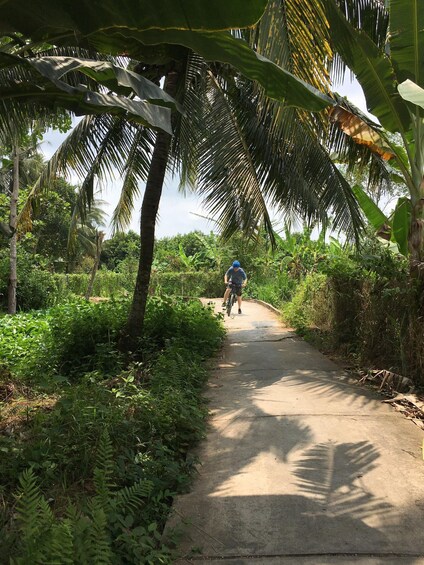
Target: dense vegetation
x,y
95,448
358,301
100,402
96,443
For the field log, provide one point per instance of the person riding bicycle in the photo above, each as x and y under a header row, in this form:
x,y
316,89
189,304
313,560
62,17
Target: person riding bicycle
x,y
235,275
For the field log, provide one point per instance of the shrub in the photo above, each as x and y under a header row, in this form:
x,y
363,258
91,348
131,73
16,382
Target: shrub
x,y
309,306
191,284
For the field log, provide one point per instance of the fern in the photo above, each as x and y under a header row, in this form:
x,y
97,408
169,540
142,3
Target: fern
x,y
103,471
34,518
131,497
60,547
28,505
96,537
100,546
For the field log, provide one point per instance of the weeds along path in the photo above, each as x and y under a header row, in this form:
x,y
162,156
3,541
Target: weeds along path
x,y
300,465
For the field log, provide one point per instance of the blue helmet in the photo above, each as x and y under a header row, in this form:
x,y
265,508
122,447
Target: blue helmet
x,y
236,264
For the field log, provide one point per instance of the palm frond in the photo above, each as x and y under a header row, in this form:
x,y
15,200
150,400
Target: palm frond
x,y
95,150
295,35
136,169
228,176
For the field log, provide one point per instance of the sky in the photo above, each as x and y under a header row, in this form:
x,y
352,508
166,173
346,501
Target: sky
x,y
178,213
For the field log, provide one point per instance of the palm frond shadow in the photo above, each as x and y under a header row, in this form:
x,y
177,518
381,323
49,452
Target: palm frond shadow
x,y
333,473
295,436
286,437
333,386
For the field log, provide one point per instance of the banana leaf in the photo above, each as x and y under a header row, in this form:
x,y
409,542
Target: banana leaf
x,y
127,27
374,70
411,92
47,21
407,39
400,224
372,212
47,87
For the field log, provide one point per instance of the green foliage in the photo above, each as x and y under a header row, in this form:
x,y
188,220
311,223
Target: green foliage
x,y
104,532
83,336
140,422
51,222
189,284
301,311
23,340
362,304
121,247
37,287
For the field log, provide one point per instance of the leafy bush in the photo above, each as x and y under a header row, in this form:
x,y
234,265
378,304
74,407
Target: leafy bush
x,y
309,305
83,335
37,288
190,284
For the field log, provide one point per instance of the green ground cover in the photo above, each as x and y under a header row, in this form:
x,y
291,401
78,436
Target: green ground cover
x,y
93,449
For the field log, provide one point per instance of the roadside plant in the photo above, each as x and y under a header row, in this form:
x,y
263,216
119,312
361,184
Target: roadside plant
x,y
382,43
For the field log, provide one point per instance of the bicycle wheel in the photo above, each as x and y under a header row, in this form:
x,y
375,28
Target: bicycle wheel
x,y
229,304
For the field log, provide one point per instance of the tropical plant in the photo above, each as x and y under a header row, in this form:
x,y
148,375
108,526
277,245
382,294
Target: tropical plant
x,y
382,43
19,164
86,235
239,165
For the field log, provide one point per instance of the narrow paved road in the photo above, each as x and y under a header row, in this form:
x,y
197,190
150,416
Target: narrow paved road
x,y
300,464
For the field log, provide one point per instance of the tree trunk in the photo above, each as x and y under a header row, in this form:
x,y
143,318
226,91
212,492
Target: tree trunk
x,y
13,217
99,243
149,211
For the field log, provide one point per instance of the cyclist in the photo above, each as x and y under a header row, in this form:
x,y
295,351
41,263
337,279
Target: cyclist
x,y
237,276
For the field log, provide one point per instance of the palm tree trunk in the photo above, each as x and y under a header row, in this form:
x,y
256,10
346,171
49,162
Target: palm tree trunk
x,y
13,216
149,211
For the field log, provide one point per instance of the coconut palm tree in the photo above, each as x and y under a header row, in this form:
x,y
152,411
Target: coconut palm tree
x,y
233,154
238,148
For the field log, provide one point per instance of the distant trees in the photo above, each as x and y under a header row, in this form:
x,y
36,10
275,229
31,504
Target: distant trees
x,y
20,165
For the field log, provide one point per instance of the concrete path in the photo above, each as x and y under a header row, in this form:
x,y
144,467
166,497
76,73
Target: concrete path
x,y
300,464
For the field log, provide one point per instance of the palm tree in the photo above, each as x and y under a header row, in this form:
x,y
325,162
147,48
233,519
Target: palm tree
x,y
223,147
86,235
238,148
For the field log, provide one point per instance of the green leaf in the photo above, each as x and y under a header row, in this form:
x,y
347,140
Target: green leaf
x,y
372,212
401,222
44,21
372,67
50,89
130,27
225,48
411,92
407,39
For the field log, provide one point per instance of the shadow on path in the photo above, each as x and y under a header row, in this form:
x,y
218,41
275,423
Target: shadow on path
x,y
299,461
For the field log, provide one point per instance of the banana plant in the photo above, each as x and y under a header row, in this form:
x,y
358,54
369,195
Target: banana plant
x,y
393,228
154,33
391,73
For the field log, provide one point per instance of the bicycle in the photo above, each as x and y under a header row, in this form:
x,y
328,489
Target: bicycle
x,y
232,299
